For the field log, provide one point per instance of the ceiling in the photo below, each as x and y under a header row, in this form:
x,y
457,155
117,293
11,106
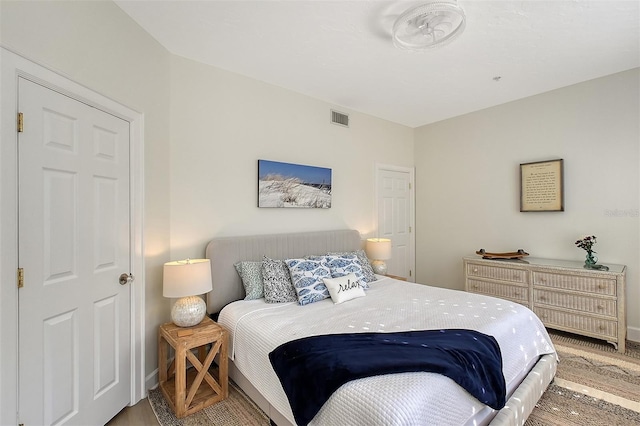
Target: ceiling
x,y
341,51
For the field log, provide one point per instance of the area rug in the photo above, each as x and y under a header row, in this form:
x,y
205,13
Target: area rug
x,y
594,386
236,410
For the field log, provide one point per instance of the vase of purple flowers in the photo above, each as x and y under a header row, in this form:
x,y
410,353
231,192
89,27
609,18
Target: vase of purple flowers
x,y
587,243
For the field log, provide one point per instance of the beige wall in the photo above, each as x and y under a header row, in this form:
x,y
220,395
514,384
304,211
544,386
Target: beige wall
x,y
467,181
222,123
204,131
97,45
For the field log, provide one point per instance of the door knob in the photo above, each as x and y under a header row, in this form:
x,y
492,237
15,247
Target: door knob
x,y
126,279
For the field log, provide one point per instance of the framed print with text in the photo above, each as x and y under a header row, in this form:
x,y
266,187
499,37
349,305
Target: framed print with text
x,y
542,186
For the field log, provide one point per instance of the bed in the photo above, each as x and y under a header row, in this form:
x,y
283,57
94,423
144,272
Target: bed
x,y
256,328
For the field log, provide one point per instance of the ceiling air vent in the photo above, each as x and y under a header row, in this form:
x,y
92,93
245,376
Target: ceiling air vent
x,y
339,118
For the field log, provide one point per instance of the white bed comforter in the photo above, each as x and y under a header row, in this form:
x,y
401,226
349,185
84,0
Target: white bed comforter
x,y
256,328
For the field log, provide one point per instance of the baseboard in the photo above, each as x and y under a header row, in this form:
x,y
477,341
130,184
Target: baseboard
x,y
151,381
633,334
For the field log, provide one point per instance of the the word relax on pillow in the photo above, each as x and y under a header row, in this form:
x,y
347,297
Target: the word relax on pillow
x,y
344,288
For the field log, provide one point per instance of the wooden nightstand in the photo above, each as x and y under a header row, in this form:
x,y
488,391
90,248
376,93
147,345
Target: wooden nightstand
x,y
190,391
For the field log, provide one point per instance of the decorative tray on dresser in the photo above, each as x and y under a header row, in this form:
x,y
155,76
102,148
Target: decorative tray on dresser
x,y
564,294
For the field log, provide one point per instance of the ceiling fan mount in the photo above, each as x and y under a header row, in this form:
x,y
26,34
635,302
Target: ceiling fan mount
x,y
429,25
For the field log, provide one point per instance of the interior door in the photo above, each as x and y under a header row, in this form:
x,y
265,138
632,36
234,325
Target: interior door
x,y
394,219
74,325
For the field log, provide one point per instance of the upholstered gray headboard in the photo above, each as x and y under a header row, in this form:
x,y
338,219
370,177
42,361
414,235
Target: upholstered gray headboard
x,y
225,251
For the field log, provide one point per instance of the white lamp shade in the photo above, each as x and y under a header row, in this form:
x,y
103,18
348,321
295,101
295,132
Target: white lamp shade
x,y
379,248
186,278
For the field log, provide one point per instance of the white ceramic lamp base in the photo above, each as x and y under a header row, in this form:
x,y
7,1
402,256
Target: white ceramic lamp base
x,y
379,267
188,311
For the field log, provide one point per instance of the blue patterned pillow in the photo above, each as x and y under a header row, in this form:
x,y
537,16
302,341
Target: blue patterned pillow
x,y
341,265
277,282
307,276
367,270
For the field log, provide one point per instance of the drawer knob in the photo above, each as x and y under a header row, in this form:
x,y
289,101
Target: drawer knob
x,y
543,298
600,307
601,327
601,286
475,269
517,293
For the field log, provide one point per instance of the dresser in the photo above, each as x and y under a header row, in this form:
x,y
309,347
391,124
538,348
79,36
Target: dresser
x,y
564,294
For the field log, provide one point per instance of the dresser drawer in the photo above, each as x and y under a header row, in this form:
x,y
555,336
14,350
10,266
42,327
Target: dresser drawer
x,y
583,283
497,273
504,291
564,294
577,323
601,306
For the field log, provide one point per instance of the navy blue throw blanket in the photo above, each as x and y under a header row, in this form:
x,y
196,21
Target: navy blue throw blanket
x,y
312,368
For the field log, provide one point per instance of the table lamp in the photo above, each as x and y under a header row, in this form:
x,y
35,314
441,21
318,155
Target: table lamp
x,y
379,250
187,279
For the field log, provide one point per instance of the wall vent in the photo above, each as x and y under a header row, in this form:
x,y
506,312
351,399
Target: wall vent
x,y
339,118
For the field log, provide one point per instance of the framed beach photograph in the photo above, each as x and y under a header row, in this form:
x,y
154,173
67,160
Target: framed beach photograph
x,y
542,186
287,185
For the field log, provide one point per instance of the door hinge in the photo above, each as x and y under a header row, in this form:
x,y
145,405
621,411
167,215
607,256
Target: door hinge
x,y
409,229
409,185
410,271
20,122
20,277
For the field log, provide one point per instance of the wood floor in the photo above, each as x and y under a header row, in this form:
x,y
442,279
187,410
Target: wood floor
x,y
138,415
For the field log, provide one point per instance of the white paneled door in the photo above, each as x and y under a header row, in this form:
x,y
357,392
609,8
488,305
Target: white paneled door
x,y
74,325
395,218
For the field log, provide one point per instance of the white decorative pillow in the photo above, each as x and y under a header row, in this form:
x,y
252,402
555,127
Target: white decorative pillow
x,y
251,274
341,265
307,275
344,288
277,282
367,270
